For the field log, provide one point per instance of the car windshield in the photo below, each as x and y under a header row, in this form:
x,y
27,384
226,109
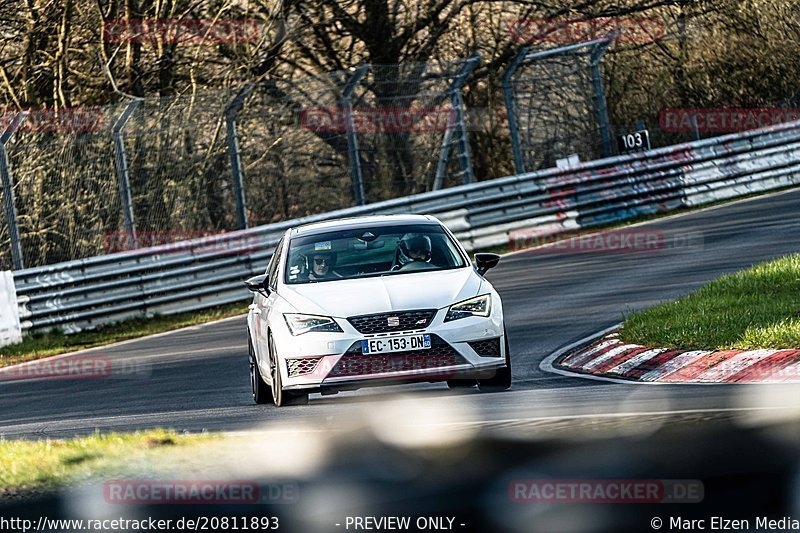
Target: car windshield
x,y
371,251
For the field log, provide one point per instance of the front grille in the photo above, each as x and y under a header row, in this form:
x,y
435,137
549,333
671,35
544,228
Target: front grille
x,y
354,363
486,348
406,320
301,367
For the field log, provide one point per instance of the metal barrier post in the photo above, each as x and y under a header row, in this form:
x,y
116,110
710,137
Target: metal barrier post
x,y
8,187
350,128
444,153
513,125
600,93
232,137
122,171
457,126
695,128
462,139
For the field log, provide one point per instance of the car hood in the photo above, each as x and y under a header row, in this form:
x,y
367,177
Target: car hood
x,y
418,290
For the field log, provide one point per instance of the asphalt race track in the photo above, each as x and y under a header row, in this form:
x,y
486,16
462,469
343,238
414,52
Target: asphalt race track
x,y
197,379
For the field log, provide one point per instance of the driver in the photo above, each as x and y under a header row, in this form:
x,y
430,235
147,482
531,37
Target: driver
x,y
322,264
413,248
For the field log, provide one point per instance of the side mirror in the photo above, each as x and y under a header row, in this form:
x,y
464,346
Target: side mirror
x,y
484,262
258,284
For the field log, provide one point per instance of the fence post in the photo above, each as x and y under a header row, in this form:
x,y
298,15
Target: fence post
x,y
444,153
511,112
8,186
232,137
457,126
350,128
122,171
600,93
695,127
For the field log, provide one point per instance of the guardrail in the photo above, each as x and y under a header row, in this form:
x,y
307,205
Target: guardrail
x,y
206,272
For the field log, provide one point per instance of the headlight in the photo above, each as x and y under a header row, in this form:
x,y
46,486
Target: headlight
x,y
299,324
478,306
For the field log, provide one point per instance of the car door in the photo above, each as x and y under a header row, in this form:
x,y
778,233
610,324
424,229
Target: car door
x,y
263,305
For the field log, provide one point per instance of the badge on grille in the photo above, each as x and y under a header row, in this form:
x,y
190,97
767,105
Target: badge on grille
x,y
393,321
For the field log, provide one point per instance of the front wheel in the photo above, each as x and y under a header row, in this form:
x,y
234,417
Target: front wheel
x,y
261,392
502,379
281,397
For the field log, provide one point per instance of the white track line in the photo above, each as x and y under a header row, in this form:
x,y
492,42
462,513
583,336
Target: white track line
x,y
620,415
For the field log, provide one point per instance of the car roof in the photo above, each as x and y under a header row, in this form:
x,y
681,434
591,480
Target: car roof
x,y
361,222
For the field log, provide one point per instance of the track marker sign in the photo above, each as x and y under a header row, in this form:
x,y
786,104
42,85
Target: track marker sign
x,y
637,141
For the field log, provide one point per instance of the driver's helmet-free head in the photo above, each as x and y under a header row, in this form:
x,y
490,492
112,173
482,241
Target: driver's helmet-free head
x,y
414,247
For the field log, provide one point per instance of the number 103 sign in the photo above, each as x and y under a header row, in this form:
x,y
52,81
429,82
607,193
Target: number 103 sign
x,y
637,141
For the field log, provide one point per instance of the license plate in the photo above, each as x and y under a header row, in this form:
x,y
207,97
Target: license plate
x,y
396,344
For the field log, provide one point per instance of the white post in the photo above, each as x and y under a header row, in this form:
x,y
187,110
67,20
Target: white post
x,y
10,330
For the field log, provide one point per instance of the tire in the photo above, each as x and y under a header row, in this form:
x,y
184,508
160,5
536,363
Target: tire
x,y
261,391
281,397
502,379
461,383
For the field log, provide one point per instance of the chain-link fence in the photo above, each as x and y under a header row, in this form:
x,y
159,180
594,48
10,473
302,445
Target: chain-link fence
x,y
324,142
556,105
294,161
66,191
156,170
178,166
413,134
80,183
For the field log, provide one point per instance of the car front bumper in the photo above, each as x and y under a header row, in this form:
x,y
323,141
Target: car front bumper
x,y
333,361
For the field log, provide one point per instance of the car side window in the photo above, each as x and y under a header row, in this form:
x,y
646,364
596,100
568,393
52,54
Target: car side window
x,y
273,266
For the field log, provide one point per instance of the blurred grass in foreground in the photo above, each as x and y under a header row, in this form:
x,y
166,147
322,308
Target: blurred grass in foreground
x,y
44,465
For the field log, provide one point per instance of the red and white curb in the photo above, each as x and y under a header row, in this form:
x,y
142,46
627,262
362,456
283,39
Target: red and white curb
x,y
604,356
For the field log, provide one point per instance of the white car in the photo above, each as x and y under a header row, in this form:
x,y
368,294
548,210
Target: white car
x,y
371,301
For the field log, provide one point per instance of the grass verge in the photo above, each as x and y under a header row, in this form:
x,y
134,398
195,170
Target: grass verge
x,y
31,467
39,345
751,309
